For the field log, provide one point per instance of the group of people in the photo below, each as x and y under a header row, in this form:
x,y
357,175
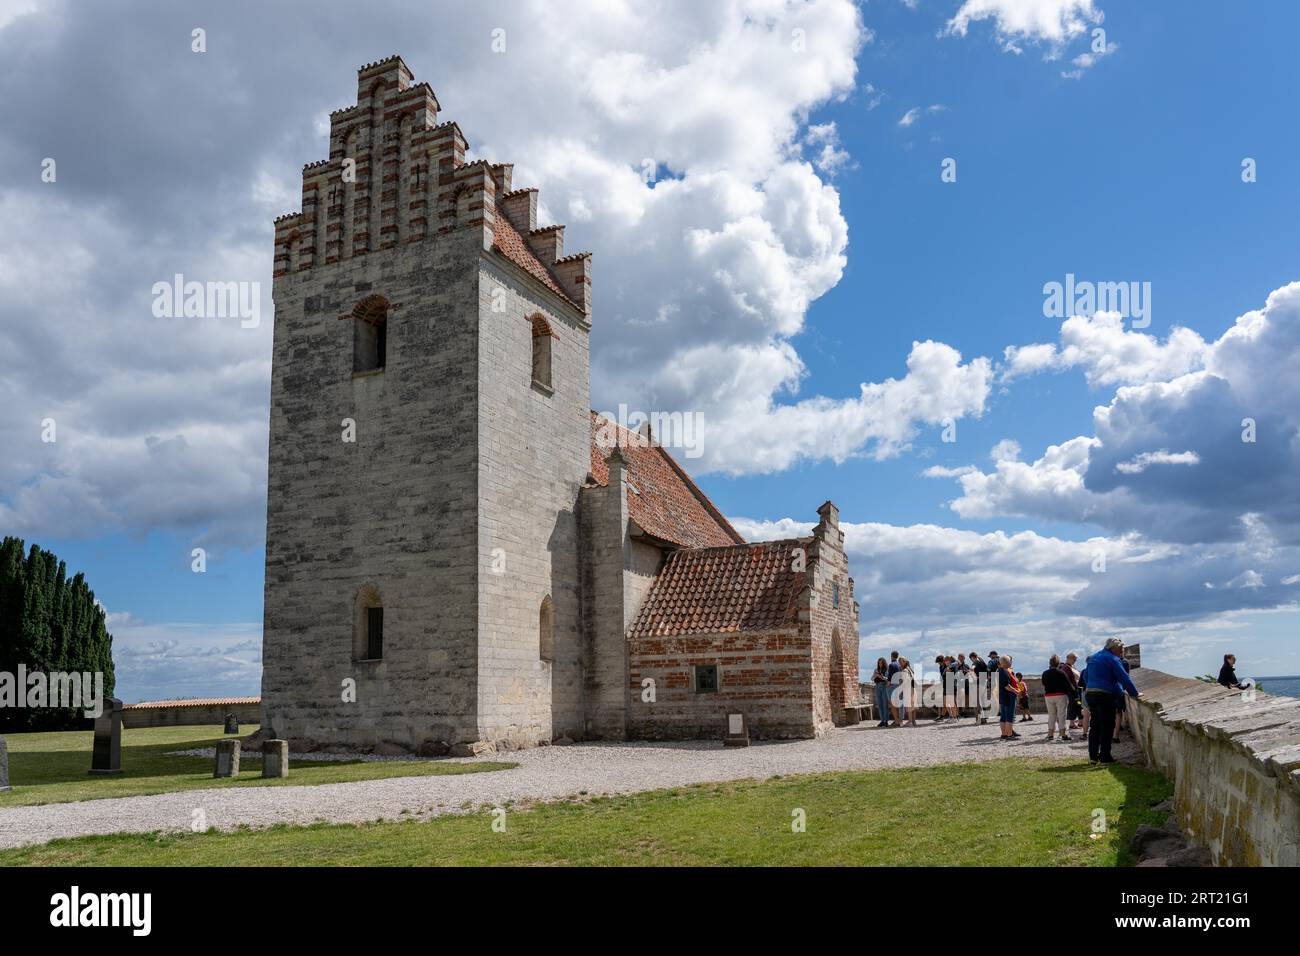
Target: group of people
x,y
1091,700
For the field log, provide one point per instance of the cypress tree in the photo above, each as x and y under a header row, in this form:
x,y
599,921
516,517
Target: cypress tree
x,y
49,623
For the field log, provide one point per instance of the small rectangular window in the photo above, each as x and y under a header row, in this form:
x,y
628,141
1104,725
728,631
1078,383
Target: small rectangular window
x,y
374,633
835,594
706,678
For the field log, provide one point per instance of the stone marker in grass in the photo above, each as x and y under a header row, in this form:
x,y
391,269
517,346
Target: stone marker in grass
x,y
227,764
4,765
275,758
232,724
107,755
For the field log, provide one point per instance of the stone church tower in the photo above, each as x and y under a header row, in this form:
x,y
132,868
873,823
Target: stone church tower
x,y
460,554
429,437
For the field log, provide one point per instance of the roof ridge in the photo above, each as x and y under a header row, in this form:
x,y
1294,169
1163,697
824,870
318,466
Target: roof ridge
x,y
741,544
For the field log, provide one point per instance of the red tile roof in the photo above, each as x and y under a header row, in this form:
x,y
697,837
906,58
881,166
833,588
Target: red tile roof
x,y
750,587
661,498
193,702
507,240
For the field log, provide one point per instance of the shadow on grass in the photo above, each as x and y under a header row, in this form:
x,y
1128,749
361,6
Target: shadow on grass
x,y
54,767
1143,790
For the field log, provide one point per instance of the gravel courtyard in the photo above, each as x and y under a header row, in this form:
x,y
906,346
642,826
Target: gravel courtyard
x,y
543,774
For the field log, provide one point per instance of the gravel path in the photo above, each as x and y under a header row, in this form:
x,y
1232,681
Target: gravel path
x,y
546,773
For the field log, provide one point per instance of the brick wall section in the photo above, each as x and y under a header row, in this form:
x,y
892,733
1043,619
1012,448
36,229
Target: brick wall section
x,y
190,715
790,680
833,630
766,675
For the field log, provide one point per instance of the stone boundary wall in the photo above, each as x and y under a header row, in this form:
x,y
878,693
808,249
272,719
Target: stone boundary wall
x,y
1234,760
189,713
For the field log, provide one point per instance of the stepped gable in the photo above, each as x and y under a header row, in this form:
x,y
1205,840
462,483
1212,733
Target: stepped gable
x,y
396,175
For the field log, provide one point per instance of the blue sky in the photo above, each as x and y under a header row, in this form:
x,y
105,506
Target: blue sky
x,y
789,277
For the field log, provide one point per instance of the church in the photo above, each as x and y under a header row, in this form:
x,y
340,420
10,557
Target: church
x,y
461,556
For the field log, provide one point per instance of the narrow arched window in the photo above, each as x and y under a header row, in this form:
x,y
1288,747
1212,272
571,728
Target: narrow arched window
x,y
370,334
546,631
543,336
368,625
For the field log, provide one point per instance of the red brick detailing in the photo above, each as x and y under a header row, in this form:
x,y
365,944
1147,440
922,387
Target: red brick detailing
x,y
404,157
541,326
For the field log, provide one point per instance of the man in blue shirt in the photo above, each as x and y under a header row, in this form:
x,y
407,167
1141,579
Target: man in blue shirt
x,y
1106,678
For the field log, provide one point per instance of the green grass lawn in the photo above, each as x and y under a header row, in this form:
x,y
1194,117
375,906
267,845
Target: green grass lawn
x,y
53,767
1009,812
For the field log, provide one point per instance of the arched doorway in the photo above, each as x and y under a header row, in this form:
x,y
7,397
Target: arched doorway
x,y
838,701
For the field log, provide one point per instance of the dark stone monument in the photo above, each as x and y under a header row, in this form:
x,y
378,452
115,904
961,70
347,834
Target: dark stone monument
x,y
227,764
107,756
232,724
737,734
275,758
4,765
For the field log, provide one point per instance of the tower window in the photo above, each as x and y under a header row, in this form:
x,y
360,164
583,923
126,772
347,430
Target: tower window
x,y
370,334
374,633
368,625
546,631
542,339
835,594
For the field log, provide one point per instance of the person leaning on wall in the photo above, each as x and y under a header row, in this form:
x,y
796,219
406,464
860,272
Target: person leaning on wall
x,y
1105,678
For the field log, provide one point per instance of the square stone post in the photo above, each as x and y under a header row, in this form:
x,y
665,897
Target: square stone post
x,y
107,755
227,763
275,758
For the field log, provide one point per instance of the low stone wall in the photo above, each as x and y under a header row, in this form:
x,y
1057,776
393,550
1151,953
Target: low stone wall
x,y
1235,763
188,713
